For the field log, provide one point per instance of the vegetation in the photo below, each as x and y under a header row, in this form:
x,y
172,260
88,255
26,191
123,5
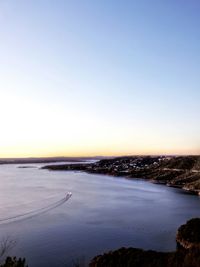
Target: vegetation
x,y
183,172
189,234
14,262
7,244
133,257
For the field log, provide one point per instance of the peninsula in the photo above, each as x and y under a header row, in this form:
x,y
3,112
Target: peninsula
x,y
176,171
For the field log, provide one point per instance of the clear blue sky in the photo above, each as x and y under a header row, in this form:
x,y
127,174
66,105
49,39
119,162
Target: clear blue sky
x,y
103,77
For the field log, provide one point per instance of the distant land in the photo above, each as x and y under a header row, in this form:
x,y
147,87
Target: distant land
x,y
46,159
176,171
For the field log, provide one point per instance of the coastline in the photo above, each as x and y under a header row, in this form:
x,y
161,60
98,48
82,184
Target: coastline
x,y
178,172
186,254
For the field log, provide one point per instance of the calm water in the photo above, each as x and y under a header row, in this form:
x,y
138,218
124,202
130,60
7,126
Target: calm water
x,y
103,213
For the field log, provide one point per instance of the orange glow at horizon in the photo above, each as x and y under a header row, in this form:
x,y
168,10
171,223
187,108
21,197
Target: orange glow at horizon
x,y
31,129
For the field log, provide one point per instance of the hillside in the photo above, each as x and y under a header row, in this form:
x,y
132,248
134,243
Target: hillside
x,y
179,171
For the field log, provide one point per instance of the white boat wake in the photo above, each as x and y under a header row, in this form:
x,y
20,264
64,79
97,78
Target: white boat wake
x,y
36,212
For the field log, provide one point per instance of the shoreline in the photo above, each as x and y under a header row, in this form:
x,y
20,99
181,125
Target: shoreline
x,y
186,253
178,172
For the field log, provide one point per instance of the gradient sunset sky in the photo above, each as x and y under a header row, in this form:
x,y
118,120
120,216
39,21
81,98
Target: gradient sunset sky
x,y
99,77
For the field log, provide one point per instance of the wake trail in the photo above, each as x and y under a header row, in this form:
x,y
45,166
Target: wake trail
x,y
36,212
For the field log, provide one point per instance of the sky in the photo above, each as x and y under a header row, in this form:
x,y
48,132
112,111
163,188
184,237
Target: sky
x,y
104,77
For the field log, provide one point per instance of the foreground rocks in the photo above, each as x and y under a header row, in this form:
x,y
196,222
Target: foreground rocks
x,y
188,235
183,172
132,257
186,255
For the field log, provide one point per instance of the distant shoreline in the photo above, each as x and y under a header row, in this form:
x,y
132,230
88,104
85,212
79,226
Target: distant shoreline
x,y
181,171
45,160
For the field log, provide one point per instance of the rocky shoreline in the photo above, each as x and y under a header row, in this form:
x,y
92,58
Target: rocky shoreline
x,y
182,172
187,253
188,235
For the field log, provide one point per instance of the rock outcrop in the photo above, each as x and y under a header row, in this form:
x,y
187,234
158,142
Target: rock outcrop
x,y
186,255
188,235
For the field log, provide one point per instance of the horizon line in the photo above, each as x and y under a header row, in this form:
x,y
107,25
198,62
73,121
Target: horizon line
x,y
99,156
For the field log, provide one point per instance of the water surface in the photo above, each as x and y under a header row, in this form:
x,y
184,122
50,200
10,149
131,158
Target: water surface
x,y
103,213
